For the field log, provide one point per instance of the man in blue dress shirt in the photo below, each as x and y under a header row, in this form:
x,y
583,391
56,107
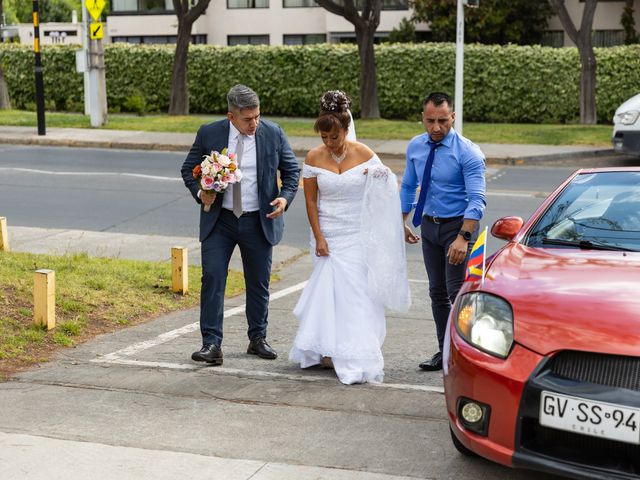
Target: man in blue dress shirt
x,y
450,171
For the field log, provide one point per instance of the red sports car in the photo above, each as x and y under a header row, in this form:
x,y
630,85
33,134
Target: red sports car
x,y
542,362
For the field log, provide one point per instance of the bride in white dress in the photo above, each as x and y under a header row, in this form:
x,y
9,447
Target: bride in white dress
x,y
358,245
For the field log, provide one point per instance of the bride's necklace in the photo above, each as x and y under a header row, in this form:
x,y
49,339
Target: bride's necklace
x,y
339,158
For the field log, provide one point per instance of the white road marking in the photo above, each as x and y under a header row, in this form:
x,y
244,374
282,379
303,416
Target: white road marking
x,y
168,336
118,357
91,174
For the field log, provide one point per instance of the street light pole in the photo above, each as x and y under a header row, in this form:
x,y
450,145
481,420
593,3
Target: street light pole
x,y
459,65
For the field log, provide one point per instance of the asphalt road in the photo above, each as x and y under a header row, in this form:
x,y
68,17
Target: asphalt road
x,y
137,388
142,192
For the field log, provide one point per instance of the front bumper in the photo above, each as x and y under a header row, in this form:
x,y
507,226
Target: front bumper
x,y
473,374
626,141
512,388
599,378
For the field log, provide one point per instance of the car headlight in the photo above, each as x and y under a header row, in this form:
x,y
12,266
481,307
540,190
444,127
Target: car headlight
x,y
486,322
629,117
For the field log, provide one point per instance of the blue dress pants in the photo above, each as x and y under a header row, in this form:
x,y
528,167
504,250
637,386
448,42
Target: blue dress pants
x,y
217,248
445,279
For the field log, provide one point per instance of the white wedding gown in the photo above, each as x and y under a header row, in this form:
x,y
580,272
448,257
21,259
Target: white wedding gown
x,y
340,315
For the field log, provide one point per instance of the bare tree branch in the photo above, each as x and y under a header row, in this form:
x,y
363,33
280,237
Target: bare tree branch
x,y
565,19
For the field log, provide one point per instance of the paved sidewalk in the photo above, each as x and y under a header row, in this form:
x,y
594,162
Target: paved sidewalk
x,y
392,151
42,458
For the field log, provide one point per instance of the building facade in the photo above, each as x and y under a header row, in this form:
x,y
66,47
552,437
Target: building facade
x,y
285,22
243,22
298,22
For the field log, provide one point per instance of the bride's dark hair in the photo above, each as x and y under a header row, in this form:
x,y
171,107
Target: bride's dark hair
x,y
334,111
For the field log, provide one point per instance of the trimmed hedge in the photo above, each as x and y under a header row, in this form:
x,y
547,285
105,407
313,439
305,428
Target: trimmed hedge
x,y
502,84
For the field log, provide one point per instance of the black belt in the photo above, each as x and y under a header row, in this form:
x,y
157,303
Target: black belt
x,y
244,214
439,220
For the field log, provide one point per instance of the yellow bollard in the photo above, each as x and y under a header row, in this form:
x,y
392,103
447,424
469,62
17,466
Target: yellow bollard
x,y
180,270
4,235
44,298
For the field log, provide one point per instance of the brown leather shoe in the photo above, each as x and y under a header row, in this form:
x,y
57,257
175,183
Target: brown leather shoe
x,y
261,348
212,354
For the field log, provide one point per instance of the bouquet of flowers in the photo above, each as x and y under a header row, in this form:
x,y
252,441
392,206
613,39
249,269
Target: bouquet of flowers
x,y
216,172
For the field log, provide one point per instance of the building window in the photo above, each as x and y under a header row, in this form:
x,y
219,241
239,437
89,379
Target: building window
x,y
608,38
386,4
233,40
553,38
305,39
142,6
395,5
350,37
247,4
299,3
158,39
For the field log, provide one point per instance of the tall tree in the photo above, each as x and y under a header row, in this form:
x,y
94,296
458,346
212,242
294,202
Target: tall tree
x,y
522,22
365,23
583,39
179,102
4,90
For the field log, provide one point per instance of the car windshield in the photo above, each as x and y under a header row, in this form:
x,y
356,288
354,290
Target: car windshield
x,y
599,211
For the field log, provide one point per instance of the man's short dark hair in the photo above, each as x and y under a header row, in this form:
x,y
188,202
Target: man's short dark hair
x,y
437,98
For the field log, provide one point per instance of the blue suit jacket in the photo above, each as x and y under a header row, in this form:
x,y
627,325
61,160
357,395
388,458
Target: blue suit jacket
x,y
273,154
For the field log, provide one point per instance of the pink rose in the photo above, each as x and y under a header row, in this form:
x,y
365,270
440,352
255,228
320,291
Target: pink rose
x,y
207,183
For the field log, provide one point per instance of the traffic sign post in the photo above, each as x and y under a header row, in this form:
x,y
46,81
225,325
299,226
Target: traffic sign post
x,y
97,92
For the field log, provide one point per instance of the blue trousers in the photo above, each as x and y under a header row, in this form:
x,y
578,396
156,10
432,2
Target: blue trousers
x,y
217,248
445,279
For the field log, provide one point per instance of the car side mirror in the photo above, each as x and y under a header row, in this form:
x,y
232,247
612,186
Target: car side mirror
x,y
507,228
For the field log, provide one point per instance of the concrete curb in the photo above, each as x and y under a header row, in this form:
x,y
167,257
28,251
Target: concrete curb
x,y
391,152
550,158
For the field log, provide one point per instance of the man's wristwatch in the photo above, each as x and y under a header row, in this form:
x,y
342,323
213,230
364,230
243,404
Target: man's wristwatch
x,y
464,234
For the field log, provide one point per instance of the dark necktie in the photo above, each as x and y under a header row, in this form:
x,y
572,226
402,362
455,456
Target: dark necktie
x,y
237,191
426,178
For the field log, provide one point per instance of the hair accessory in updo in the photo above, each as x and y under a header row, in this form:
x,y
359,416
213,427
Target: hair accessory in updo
x,y
335,101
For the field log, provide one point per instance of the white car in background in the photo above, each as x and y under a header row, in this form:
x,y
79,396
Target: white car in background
x,y
626,127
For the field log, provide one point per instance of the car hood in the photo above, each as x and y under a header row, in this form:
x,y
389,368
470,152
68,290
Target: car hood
x,y
632,104
569,298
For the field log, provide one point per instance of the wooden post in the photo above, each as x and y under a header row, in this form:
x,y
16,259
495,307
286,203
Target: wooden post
x,y
4,235
44,298
180,270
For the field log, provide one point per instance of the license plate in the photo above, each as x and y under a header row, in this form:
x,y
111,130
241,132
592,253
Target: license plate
x,y
586,417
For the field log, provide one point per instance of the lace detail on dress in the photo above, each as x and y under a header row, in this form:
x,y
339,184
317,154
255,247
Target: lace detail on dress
x,y
382,235
308,171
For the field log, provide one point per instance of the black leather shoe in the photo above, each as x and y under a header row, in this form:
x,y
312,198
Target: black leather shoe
x,y
261,348
208,353
432,364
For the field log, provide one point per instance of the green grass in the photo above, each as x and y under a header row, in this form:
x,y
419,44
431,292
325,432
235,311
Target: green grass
x,y
93,295
545,134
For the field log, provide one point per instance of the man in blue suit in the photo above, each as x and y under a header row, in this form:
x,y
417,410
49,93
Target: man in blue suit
x,y
248,214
